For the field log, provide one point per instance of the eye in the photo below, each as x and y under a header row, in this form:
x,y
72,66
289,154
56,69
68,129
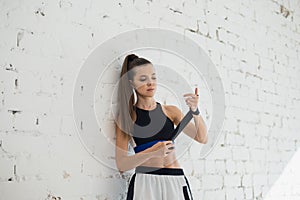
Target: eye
x,y
154,78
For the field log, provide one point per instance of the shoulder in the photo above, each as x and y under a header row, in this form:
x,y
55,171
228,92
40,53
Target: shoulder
x,y
173,112
171,108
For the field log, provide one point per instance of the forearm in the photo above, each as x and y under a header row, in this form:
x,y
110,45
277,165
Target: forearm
x,y
201,135
129,162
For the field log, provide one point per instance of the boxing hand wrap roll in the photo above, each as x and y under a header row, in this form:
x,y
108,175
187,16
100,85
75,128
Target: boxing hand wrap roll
x,y
147,145
186,119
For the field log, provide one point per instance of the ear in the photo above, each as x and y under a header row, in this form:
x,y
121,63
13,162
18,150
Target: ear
x,y
131,83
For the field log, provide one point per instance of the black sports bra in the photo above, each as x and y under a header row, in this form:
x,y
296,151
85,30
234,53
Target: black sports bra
x,y
152,125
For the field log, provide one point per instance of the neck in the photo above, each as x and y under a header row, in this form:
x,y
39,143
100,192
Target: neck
x,y
146,103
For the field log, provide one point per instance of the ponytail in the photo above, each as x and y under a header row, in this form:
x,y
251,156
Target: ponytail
x,y
126,100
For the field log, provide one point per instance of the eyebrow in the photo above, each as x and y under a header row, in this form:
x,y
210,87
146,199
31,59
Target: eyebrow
x,y
146,75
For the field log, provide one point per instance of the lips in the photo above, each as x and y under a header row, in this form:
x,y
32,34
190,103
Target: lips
x,y
150,89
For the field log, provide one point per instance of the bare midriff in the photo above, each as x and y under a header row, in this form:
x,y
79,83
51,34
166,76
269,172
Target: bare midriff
x,y
169,161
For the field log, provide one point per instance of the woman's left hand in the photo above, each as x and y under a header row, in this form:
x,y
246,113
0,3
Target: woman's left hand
x,y
192,101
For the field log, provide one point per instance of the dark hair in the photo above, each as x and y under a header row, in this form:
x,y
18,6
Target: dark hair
x,y
126,99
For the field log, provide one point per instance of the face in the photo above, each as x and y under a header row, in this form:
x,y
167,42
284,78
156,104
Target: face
x,y
144,80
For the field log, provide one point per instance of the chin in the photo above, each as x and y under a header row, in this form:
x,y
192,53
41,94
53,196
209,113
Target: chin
x,y
149,95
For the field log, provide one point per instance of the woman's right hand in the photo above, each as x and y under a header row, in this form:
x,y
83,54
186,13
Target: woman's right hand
x,y
162,149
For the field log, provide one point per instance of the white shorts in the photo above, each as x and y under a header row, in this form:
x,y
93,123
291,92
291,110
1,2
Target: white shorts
x,y
149,183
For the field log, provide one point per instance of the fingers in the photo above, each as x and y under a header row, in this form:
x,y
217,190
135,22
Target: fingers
x,y
169,146
192,102
165,147
170,149
192,99
190,95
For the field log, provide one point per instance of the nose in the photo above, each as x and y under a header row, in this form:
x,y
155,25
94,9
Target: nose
x,y
150,82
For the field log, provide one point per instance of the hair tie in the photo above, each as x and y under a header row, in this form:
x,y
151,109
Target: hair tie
x,y
132,57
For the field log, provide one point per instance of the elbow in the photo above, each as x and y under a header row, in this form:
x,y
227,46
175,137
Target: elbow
x,y
203,140
121,169
122,166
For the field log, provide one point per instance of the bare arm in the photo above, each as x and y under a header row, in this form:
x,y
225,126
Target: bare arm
x,y
197,131
123,161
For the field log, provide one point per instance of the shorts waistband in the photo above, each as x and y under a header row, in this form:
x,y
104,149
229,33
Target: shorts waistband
x,y
159,171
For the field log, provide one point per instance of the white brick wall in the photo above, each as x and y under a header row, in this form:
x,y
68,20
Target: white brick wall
x,y
254,45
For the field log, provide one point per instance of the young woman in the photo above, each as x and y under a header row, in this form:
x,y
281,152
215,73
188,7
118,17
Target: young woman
x,y
158,175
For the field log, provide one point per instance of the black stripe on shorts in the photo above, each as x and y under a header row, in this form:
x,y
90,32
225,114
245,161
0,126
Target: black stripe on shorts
x,y
159,171
130,191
